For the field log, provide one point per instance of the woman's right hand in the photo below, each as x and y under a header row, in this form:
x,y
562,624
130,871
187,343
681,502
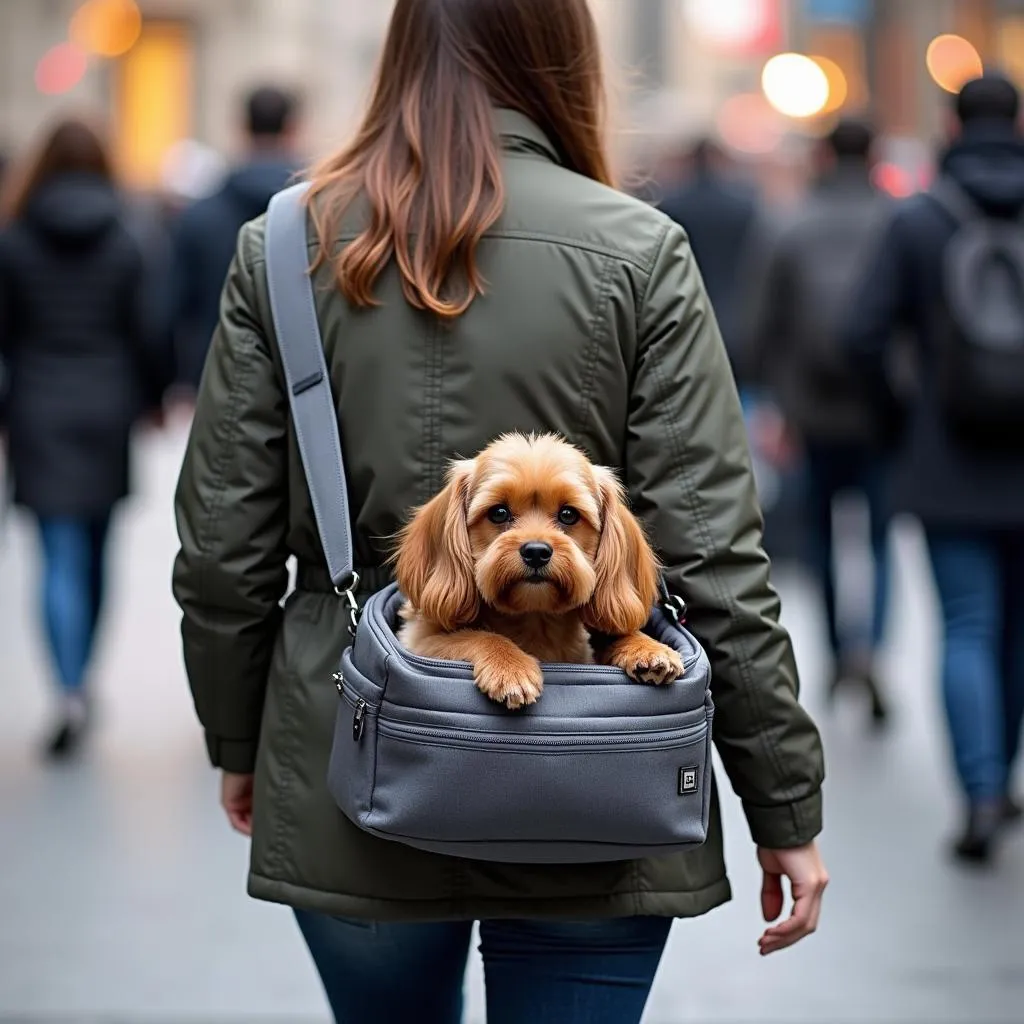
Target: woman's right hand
x,y
808,879
236,799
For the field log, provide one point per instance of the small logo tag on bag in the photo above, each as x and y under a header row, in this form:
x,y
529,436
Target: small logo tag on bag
x,y
687,781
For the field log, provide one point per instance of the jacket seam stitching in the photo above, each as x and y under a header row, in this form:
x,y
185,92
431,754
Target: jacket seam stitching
x,y
204,539
228,449
652,263
598,334
285,827
530,236
431,413
747,690
648,277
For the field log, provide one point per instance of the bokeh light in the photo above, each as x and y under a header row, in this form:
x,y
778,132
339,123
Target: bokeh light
x,y
795,85
952,61
838,87
893,179
60,69
107,28
729,24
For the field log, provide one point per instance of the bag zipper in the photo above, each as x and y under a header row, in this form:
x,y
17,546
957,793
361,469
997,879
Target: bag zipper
x,y
419,659
361,707
359,720
665,740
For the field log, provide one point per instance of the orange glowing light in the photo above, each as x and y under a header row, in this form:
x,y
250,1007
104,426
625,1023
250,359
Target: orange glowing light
x,y
952,62
107,28
60,69
838,87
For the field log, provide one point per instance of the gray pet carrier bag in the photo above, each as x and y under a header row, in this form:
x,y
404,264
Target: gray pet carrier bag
x,y
601,768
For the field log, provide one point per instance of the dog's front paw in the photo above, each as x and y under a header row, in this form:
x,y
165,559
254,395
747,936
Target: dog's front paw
x,y
514,682
646,660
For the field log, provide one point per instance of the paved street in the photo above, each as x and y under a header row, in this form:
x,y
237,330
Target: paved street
x,y
122,890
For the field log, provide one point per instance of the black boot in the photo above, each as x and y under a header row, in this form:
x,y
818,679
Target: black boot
x,y
976,844
858,673
65,739
879,707
1012,811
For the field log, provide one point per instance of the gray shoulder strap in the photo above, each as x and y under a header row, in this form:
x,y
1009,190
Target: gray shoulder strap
x,y
309,390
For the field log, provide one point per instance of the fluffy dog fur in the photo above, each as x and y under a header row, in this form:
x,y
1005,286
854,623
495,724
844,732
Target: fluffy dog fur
x,y
473,596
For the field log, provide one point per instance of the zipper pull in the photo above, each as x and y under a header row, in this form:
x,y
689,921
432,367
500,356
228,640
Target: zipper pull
x,y
357,722
338,680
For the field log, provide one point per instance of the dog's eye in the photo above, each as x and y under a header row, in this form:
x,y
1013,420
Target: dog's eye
x,y
568,516
500,515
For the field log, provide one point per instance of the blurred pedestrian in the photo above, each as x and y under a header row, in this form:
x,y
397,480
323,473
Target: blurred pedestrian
x,y
721,217
952,270
84,364
478,273
207,231
815,265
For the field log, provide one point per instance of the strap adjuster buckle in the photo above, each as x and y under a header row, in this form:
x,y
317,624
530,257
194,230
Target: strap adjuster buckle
x,y
672,604
348,592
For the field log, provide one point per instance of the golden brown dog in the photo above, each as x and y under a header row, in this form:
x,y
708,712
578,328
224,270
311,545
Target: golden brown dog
x,y
527,552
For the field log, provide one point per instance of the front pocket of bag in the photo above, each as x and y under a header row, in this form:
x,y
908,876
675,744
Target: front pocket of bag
x,y
643,789
353,753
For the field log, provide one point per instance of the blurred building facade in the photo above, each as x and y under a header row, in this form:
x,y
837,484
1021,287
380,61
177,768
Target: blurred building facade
x,y
678,66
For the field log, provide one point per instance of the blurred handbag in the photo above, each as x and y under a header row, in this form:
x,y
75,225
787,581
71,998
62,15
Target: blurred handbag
x,y
600,769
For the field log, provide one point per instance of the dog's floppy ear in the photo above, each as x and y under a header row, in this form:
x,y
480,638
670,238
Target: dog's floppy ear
x,y
627,570
434,567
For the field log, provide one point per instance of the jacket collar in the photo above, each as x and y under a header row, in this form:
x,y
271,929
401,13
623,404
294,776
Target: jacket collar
x,y
521,135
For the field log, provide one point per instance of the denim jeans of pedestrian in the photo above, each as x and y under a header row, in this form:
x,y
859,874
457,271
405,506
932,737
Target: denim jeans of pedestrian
x,y
980,580
537,972
73,585
834,470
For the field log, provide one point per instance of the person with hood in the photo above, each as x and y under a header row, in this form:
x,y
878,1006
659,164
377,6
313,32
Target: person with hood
x,y
81,347
207,232
951,272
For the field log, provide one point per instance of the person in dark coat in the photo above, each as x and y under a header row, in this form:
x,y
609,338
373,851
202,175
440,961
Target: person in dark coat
x,y
721,218
207,232
83,367
798,356
969,498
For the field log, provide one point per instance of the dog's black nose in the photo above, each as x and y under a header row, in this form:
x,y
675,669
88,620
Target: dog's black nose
x,y
536,554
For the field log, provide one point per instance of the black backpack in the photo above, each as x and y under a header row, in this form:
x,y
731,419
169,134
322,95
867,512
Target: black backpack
x,y
981,355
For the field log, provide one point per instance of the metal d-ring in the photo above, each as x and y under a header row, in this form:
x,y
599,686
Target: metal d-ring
x,y
348,592
672,604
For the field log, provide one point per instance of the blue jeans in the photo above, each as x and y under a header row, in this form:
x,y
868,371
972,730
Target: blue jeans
x,y
980,580
73,577
537,972
833,470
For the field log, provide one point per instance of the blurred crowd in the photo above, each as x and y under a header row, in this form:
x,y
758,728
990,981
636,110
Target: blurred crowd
x,y
877,346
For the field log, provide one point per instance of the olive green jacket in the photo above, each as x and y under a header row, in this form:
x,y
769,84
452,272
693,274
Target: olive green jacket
x,y
595,324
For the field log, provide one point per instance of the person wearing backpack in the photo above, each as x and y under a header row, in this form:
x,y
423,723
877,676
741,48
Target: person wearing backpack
x,y
797,357
951,271
476,273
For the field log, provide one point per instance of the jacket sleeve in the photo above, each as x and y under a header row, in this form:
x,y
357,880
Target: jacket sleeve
x,y
691,482
231,511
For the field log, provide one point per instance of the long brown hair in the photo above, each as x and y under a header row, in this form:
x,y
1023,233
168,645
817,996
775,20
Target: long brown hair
x,y
72,146
426,155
